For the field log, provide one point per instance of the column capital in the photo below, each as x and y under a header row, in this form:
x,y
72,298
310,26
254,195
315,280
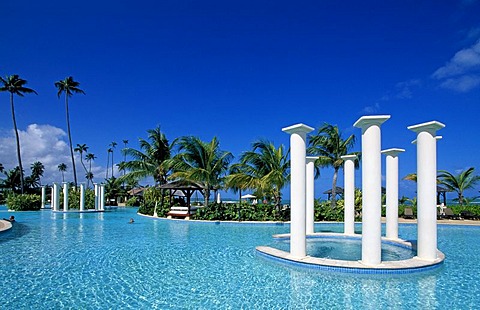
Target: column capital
x,y
298,128
311,159
348,157
369,120
392,152
430,127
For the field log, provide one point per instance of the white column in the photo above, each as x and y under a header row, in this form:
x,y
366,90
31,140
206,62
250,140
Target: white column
x,y
298,243
52,195
392,192
95,189
427,188
65,196
82,197
55,197
102,197
371,188
43,197
349,193
310,194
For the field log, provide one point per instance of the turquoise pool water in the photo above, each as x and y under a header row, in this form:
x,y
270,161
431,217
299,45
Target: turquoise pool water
x,y
99,261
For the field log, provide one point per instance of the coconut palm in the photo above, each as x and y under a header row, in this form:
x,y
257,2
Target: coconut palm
x,y
112,145
109,150
329,146
149,161
69,87
12,180
37,172
16,86
62,168
125,142
460,182
264,169
200,162
80,149
89,176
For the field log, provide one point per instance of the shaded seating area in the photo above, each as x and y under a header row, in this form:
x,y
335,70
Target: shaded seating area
x,y
467,215
183,189
450,215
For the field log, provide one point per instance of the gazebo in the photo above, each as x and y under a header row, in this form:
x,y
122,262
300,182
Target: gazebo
x,y
442,192
338,191
185,187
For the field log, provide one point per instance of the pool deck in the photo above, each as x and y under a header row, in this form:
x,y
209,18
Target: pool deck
x,y
5,225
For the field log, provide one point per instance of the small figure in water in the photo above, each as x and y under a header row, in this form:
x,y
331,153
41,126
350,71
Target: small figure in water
x,y
11,219
131,221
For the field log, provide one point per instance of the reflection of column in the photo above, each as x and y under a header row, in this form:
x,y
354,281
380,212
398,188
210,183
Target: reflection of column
x,y
298,133
427,298
65,196
427,188
95,188
102,197
55,197
43,197
349,193
82,197
310,194
392,192
371,188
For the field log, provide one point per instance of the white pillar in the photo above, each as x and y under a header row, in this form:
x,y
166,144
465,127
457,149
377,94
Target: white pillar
x,y
427,188
392,192
371,188
82,197
310,194
52,195
95,189
43,198
56,197
349,193
102,197
298,243
65,196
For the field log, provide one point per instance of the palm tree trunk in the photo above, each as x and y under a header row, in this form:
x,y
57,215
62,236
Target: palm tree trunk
x,y
18,142
70,141
112,163
333,201
108,164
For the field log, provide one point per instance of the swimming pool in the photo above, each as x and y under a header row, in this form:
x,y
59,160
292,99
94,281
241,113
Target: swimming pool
x,y
99,261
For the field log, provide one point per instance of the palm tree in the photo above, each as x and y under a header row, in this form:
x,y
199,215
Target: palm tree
x,y
328,144
69,87
112,145
62,168
459,183
149,161
80,149
37,171
108,162
15,85
264,169
12,180
89,157
125,142
200,162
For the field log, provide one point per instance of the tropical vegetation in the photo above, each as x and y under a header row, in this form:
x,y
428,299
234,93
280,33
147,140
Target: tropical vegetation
x,y
329,146
16,86
69,86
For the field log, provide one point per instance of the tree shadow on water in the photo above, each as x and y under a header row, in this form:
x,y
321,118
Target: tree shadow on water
x,y
18,230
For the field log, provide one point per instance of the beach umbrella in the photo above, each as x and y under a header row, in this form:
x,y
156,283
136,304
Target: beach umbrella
x,y
248,196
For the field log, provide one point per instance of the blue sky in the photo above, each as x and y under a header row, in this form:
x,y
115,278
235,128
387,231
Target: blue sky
x,y
241,70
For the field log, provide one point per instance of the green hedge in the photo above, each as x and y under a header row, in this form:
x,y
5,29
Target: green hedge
x,y
24,202
244,212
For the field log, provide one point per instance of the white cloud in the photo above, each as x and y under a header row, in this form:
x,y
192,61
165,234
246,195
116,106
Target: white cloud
x,y
371,109
44,143
462,72
462,84
404,89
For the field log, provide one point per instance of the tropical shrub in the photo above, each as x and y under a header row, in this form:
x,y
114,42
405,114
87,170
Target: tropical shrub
x,y
24,202
152,198
243,212
133,202
74,199
324,211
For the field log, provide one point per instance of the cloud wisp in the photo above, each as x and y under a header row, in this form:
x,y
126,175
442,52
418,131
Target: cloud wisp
x,y
462,72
